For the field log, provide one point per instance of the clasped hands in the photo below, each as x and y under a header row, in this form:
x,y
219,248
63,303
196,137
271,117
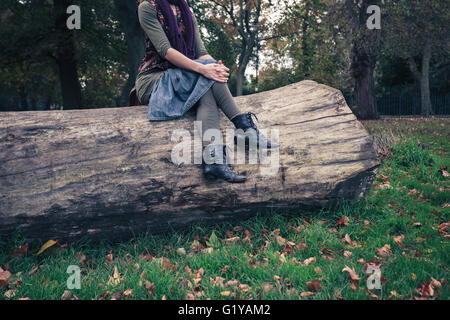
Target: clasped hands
x,y
214,71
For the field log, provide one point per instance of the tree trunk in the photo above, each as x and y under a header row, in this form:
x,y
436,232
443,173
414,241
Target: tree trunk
x,y
239,78
425,99
108,173
127,15
364,103
65,57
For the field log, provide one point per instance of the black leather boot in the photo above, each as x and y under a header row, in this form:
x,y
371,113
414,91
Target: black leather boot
x,y
245,122
221,169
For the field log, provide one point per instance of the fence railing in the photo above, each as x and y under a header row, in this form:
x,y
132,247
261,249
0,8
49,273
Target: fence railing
x,y
409,104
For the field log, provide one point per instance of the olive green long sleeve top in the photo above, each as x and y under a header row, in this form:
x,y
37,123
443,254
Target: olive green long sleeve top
x,y
152,27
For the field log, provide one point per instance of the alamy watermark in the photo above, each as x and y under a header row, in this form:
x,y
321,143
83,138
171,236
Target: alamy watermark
x,y
74,280
374,21
374,279
74,20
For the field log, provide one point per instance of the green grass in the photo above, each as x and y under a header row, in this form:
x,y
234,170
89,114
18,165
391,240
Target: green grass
x,y
408,198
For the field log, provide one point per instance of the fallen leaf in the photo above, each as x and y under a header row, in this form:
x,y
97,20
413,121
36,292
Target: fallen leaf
x,y
282,258
4,276
115,279
190,296
208,250
398,240
351,273
280,240
344,221
67,295
47,245
21,251
362,260
429,289
10,294
314,286
267,286
371,294
128,293
306,294
302,246
234,239
347,240
116,296
385,251
308,261
150,287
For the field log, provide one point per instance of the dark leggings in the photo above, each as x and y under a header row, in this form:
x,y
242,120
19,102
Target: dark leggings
x,y
218,95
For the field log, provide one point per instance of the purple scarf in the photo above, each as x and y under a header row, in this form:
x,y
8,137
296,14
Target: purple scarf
x,y
184,45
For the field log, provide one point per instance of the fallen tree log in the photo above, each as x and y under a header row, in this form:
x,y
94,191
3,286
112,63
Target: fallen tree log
x,y
107,173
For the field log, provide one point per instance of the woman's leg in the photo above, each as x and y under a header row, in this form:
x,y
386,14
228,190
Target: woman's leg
x,y
215,165
224,99
208,112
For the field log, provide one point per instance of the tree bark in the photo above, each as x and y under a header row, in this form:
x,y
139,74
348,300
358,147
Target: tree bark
x,y
364,103
425,99
127,15
108,173
423,79
363,64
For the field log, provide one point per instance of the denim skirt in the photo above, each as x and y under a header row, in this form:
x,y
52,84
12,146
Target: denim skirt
x,y
176,91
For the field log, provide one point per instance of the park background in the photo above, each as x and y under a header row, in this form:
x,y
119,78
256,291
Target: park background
x,y
402,68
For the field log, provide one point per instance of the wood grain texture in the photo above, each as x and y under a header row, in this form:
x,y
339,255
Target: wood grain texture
x,y
107,173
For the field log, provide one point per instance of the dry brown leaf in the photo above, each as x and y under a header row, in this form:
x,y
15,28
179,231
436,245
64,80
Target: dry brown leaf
x,y
234,239
347,240
398,240
306,294
351,273
128,293
10,294
190,296
309,261
4,276
344,221
21,251
314,286
67,295
385,251
280,240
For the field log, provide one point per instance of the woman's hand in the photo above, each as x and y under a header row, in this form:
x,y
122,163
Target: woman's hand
x,y
215,71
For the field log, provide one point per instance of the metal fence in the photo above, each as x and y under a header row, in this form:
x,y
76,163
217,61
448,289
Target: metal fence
x,y
394,105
